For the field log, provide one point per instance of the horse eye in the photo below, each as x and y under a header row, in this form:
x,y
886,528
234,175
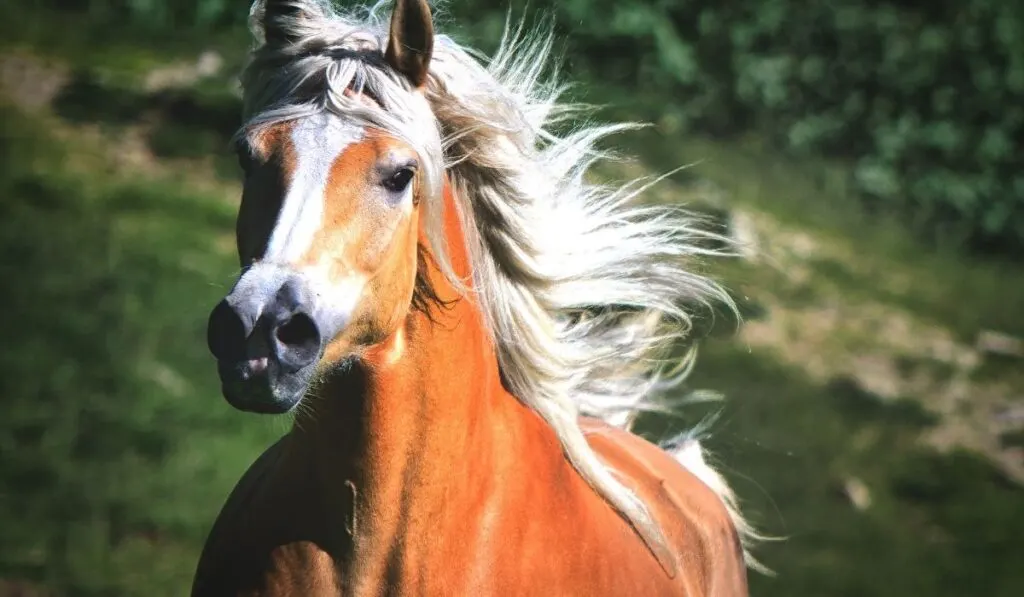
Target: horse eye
x,y
399,181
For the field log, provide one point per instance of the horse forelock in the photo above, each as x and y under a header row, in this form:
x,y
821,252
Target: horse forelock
x,y
584,291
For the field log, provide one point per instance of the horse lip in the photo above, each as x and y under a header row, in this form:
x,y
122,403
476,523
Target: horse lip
x,y
261,386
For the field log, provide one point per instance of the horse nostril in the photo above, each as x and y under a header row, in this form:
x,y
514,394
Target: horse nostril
x,y
300,329
226,333
299,340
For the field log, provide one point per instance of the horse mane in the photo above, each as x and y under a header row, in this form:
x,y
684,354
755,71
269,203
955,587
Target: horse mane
x,y
584,290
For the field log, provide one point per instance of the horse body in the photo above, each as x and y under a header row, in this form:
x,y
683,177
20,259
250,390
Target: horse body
x,y
411,299
421,475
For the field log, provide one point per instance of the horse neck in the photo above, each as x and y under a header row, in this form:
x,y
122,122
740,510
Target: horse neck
x,y
420,416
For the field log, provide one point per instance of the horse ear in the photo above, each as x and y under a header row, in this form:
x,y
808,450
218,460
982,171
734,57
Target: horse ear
x,y
280,19
411,42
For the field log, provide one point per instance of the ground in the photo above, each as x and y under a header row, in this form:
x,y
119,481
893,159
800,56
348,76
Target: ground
x,y
873,402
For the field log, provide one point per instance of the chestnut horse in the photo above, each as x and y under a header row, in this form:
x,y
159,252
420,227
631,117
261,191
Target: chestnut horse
x,y
463,326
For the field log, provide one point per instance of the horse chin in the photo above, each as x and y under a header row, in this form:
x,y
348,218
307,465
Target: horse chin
x,y
265,389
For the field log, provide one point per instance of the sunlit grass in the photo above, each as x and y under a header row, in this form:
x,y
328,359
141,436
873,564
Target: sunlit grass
x,y
936,524
964,292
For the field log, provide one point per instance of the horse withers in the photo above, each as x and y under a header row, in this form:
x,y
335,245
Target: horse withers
x,y
463,327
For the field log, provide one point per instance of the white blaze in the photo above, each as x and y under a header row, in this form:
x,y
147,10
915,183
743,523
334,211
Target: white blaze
x,y
318,141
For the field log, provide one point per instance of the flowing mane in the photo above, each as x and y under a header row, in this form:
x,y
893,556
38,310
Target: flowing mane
x,y
585,291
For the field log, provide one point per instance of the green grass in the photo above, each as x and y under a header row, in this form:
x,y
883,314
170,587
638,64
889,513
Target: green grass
x,y
117,448
124,53
938,525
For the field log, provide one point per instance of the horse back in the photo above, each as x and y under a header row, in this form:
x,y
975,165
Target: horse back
x,y
694,519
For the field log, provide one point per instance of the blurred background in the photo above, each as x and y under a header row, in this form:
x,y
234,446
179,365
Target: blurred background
x,y
868,153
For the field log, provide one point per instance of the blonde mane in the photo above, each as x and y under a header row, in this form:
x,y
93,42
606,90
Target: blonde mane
x,y
584,290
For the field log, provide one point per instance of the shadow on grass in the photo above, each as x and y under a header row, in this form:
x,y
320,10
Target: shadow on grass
x,y
116,449
937,524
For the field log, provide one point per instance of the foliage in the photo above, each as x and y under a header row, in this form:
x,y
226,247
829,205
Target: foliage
x,y
927,102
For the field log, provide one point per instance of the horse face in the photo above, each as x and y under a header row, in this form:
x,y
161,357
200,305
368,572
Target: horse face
x,y
327,233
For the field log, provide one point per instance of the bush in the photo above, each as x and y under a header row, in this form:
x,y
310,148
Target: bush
x,y
928,103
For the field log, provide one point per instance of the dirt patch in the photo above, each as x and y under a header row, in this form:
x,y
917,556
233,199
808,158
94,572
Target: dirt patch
x,y
832,333
29,82
17,588
184,74
886,349
32,84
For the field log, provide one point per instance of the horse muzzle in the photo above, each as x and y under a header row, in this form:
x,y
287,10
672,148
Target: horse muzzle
x,y
267,340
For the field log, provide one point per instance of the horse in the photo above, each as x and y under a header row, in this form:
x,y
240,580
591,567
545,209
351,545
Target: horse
x,y
463,326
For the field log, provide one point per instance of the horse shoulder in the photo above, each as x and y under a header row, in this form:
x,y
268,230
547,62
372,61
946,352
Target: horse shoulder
x,y
694,519
231,562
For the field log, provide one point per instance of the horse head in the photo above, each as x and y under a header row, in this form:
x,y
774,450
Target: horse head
x,y
327,231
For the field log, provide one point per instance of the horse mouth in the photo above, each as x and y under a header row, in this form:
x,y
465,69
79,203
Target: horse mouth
x,y
262,386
